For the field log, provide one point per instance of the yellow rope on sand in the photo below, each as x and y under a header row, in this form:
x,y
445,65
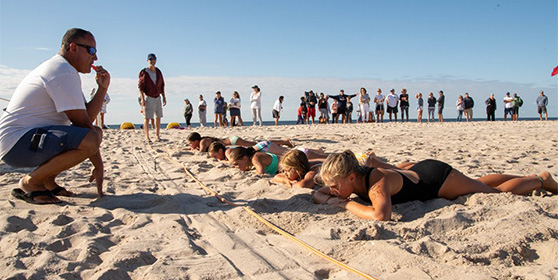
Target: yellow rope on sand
x,y
264,221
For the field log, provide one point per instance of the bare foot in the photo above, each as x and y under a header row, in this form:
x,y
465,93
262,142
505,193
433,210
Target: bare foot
x,y
27,187
549,183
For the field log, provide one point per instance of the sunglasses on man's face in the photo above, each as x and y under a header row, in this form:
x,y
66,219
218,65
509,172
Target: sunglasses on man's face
x,y
91,50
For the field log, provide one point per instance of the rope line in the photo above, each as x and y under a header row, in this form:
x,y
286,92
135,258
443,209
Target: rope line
x,y
263,220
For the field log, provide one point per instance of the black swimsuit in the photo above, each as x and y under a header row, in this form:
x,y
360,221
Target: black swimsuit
x,y
432,175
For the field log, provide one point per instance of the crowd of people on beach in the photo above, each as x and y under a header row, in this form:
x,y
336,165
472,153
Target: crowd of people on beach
x,y
360,107
48,125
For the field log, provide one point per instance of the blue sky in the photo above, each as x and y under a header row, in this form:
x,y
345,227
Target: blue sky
x,y
288,47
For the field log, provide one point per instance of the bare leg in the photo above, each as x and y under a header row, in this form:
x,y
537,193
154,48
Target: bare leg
x,y
458,184
494,180
549,183
283,142
146,128
157,128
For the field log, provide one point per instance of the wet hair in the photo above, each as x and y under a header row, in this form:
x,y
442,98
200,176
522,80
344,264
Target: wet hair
x,y
297,160
341,165
73,35
240,152
216,147
194,136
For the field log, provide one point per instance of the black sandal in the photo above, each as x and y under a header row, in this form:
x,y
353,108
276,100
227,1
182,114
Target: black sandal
x,y
29,196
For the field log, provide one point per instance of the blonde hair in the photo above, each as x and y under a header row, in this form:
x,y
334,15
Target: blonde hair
x,y
296,160
341,165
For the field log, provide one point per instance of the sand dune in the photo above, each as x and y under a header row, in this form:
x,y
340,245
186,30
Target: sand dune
x,y
157,223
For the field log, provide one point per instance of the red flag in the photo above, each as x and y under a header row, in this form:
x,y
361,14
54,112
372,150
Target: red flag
x,y
554,72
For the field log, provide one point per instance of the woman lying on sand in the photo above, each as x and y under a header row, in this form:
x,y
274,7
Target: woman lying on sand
x,y
300,171
246,158
197,142
424,180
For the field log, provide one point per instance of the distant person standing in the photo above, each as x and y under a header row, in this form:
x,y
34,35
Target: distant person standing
x,y
349,110
235,106
311,102
219,109
152,87
517,102
431,106
277,107
404,104
256,104
202,112
542,102
364,104
392,102
441,100
379,101
188,111
100,119
508,106
490,108
324,108
460,108
420,106
469,104
334,114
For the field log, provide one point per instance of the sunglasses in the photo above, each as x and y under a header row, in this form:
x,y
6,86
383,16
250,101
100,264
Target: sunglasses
x,y
91,50
152,59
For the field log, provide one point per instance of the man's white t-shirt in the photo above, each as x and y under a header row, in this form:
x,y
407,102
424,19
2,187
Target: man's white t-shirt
x,y
40,100
510,103
277,106
392,100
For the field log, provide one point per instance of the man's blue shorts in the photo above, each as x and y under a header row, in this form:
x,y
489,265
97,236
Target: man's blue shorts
x,y
49,142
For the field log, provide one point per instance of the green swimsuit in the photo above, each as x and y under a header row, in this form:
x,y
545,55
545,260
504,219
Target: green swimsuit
x,y
273,166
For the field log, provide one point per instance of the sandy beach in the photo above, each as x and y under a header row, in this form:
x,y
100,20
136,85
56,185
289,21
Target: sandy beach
x,y
155,222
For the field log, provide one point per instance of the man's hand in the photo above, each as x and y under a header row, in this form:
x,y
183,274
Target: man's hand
x,y
97,175
102,77
164,101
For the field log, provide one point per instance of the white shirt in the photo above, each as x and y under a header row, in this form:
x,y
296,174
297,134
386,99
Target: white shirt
x,y
510,103
40,100
255,100
392,100
234,102
277,106
379,99
202,103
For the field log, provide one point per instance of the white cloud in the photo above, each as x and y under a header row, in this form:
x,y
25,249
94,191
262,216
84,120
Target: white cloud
x,y
124,93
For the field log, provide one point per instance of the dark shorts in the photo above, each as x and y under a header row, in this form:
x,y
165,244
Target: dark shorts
x,y
516,110
508,111
275,114
542,110
440,110
341,110
379,107
53,141
235,112
392,109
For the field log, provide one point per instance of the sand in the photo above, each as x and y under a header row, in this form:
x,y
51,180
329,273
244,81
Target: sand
x,y
157,223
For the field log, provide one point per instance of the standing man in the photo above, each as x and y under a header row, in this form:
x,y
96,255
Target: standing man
x,y
517,102
392,100
277,107
404,104
542,102
490,108
441,101
152,86
48,123
202,106
508,106
311,102
469,104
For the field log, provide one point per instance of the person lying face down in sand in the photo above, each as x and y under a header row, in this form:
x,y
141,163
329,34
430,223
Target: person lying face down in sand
x,y
219,151
197,142
246,158
424,180
299,171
